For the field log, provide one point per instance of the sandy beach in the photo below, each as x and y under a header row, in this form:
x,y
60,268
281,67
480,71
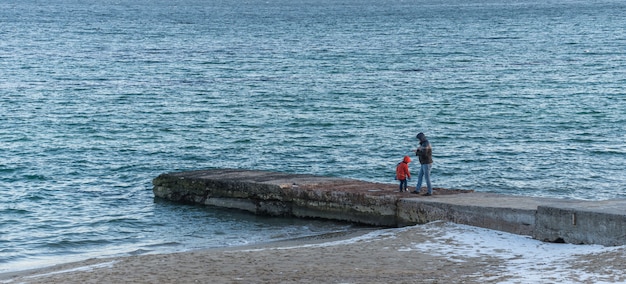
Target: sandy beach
x,y
438,252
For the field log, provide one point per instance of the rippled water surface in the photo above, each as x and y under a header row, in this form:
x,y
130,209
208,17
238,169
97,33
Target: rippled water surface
x,y
99,97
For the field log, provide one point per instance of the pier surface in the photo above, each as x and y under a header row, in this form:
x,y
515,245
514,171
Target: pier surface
x,y
310,196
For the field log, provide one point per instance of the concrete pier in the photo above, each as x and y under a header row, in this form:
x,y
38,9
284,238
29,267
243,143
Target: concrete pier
x,y
309,196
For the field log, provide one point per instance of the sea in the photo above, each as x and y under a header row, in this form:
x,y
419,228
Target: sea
x,y
97,98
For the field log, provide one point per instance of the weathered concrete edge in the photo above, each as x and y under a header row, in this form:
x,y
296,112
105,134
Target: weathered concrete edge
x,y
278,199
511,220
547,221
580,226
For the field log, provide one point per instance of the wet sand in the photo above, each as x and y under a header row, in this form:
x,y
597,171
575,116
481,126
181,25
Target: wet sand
x,y
408,255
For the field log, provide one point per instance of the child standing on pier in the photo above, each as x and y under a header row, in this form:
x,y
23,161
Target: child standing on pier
x,y
403,174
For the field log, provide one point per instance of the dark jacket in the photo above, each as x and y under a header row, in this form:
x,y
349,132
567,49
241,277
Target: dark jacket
x,y
424,151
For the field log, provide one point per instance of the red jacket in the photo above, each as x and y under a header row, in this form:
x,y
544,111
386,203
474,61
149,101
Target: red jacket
x,y
402,170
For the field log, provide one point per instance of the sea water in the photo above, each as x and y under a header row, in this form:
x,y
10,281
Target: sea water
x,y
99,97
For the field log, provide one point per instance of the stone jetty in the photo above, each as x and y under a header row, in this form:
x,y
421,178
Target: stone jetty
x,y
378,204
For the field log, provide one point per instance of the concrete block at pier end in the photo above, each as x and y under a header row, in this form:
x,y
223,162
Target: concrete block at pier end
x,y
600,222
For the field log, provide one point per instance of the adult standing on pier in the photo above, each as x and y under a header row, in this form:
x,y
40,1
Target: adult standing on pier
x,y
425,154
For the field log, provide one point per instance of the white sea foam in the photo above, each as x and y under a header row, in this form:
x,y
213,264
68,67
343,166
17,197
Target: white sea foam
x,y
524,259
